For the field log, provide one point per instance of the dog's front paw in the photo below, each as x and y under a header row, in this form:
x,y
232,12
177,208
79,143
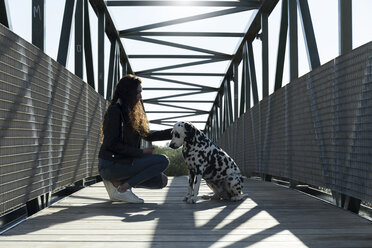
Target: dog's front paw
x,y
192,199
210,197
239,197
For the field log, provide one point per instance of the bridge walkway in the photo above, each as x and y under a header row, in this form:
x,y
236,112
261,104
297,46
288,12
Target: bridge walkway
x,y
272,216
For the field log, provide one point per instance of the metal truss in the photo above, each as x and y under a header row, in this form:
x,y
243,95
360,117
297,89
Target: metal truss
x,y
144,33
225,108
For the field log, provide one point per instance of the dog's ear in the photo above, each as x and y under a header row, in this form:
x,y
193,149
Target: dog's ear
x,y
190,131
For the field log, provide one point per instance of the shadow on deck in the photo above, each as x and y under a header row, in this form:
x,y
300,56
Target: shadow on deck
x,y
272,216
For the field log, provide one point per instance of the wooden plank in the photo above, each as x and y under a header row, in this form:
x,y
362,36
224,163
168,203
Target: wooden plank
x,y
272,216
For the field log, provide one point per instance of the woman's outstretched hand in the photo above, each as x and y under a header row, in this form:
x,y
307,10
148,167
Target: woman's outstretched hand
x,y
148,150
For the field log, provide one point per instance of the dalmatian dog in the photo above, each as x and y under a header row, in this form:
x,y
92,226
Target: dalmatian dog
x,y
206,160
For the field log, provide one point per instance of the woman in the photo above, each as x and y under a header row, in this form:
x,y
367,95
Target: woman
x,y
122,163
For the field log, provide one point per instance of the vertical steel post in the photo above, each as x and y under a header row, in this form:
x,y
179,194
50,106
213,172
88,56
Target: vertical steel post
x,y
229,102
293,41
88,47
345,26
110,76
38,13
345,45
236,91
247,78
101,52
221,125
265,54
252,73
281,47
79,38
3,14
225,106
117,73
216,124
124,69
243,91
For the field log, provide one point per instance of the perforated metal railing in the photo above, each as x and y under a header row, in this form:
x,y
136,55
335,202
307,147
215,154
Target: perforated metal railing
x,y
49,123
316,130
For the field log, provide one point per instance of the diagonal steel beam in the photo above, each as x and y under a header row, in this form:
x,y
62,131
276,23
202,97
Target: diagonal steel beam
x,y
308,30
180,107
177,45
178,66
65,32
171,96
178,82
172,117
185,19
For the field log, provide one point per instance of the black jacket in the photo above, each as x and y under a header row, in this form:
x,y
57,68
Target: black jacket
x,y
120,141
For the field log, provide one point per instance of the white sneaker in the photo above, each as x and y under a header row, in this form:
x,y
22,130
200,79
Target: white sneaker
x,y
110,188
127,196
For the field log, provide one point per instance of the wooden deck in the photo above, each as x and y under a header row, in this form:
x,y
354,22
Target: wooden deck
x,y
272,216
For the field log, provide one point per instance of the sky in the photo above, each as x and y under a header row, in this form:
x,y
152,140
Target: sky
x,y
324,15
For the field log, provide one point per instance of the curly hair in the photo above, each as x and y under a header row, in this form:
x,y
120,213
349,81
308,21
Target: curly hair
x,y
126,92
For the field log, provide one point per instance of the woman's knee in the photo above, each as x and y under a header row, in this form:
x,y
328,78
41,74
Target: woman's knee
x,y
162,161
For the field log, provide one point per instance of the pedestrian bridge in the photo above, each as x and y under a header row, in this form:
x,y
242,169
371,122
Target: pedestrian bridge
x,y
312,135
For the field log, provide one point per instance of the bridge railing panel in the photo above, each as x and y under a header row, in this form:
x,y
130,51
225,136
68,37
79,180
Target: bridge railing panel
x,y
315,130
49,124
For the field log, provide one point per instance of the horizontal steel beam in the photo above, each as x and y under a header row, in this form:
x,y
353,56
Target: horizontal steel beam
x,y
251,4
180,101
186,74
176,121
170,112
164,56
204,89
198,34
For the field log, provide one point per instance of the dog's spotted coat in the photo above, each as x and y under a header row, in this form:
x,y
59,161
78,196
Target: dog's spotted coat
x,y
206,160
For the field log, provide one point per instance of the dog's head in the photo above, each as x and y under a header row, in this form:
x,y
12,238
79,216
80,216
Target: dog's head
x,y
182,132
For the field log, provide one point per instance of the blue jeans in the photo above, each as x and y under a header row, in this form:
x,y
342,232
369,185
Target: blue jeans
x,y
144,172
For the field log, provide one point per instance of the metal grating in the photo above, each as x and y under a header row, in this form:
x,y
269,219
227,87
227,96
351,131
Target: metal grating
x,y
315,130
49,123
